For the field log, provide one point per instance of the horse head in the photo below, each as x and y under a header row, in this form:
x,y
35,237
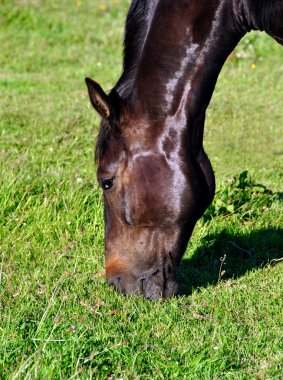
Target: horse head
x,y
153,195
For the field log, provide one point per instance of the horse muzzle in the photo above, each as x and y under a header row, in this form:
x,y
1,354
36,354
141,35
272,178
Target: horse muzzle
x,y
153,287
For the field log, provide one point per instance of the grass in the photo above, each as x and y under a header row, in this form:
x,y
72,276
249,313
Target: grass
x,y
58,318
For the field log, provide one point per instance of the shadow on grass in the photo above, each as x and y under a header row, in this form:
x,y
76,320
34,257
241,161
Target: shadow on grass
x,y
225,255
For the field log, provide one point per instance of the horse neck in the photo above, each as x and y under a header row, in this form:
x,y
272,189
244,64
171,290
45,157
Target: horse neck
x,y
186,47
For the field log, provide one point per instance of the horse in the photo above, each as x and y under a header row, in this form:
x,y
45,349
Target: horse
x,y
156,178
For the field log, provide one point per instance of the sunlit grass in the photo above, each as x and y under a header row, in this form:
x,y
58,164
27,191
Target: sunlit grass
x,y
58,318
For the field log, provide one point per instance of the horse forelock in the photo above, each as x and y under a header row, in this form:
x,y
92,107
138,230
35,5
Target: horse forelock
x,y
101,140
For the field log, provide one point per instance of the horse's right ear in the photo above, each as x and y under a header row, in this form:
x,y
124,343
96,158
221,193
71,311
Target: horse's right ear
x,y
100,101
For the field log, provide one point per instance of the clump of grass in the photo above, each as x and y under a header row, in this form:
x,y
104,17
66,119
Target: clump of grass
x,y
242,197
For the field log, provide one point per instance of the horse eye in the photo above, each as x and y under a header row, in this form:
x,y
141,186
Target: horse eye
x,y
106,184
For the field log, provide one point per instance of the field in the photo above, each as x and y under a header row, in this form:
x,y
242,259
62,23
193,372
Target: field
x,y
58,317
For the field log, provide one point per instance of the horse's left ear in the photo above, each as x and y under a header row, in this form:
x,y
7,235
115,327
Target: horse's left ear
x,y
100,101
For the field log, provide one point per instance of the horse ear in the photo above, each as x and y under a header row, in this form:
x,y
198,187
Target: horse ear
x,y
100,101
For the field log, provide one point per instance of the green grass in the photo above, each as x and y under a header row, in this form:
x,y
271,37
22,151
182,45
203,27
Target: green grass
x,y
58,318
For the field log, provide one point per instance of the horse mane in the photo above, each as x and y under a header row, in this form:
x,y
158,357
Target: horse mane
x,y
138,22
